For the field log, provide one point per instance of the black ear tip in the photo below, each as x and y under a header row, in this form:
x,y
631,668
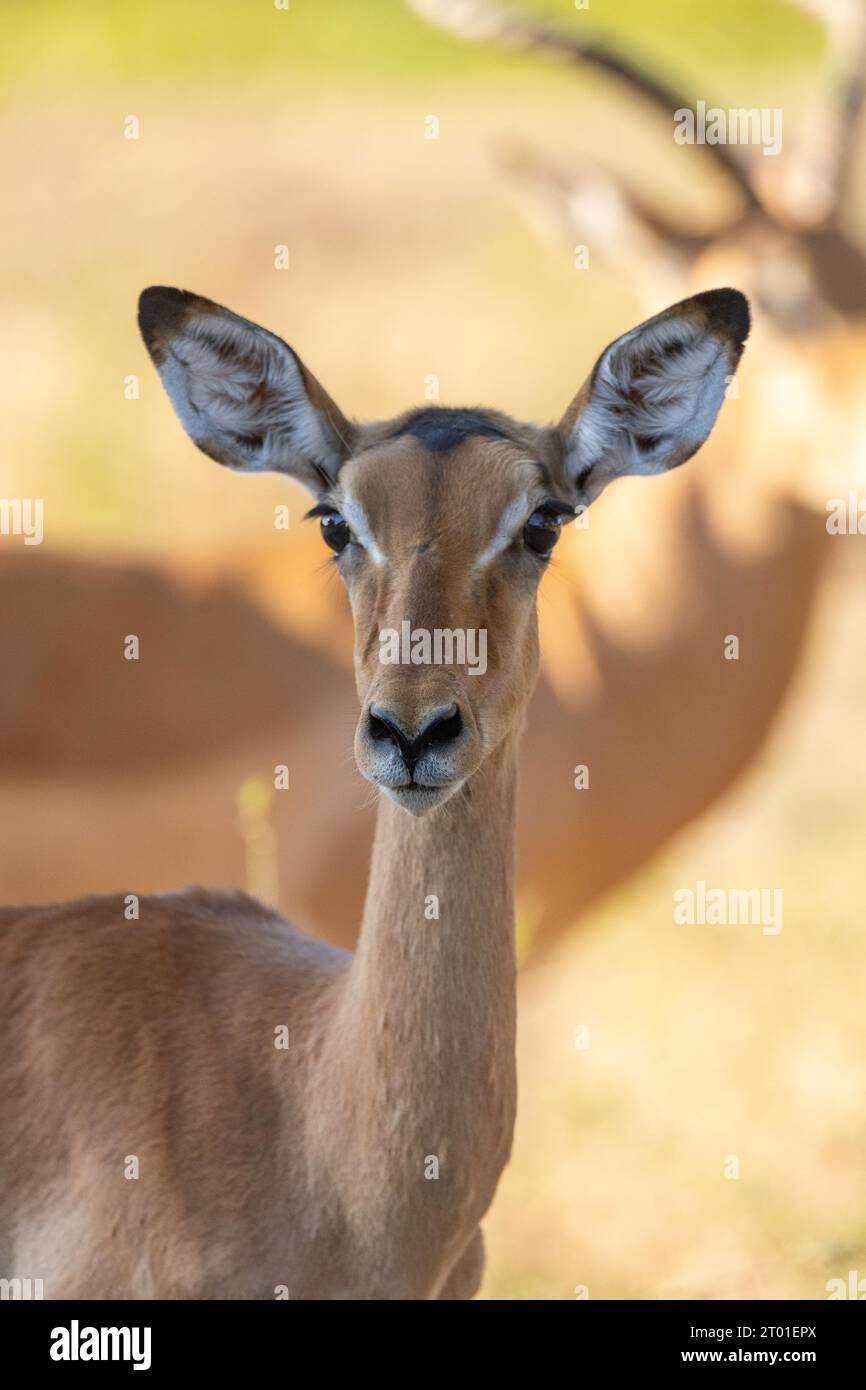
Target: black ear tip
x,y
163,313
161,307
728,309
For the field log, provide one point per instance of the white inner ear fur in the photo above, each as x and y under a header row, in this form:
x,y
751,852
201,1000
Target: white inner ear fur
x,y
656,388
239,387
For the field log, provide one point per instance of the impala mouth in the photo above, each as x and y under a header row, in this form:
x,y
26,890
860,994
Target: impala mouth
x,y
418,797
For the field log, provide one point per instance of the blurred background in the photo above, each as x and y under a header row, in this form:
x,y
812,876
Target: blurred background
x,y
472,200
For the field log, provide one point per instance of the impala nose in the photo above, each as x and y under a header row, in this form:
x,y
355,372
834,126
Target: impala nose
x,y
440,728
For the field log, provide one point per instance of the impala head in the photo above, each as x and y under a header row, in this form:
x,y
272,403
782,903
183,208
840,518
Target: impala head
x,y
442,521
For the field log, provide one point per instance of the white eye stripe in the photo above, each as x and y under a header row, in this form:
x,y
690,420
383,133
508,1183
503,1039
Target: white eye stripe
x,y
352,511
514,513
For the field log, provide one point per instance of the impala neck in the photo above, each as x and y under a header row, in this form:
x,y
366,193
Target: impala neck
x,y
432,1000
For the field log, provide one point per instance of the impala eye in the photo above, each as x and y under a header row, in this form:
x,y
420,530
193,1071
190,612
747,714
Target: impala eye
x,y
541,532
335,532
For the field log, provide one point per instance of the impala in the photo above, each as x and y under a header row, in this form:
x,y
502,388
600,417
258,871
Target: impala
x,y
203,1102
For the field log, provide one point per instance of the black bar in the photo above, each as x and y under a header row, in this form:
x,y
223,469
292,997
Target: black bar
x,y
226,1338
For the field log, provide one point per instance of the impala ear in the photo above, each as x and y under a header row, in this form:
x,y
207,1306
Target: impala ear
x,y
654,394
242,395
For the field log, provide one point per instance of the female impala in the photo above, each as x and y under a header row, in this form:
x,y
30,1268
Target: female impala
x,y
154,1141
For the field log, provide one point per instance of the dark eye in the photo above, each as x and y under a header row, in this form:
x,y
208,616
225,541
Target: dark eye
x,y
541,532
335,532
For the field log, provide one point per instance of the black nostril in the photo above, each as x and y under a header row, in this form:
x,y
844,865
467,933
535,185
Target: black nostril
x,y
442,727
385,730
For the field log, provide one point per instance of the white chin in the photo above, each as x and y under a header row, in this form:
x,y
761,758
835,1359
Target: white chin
x,y
418,800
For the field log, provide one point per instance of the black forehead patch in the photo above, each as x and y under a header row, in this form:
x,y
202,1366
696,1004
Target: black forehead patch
x,y
440,427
